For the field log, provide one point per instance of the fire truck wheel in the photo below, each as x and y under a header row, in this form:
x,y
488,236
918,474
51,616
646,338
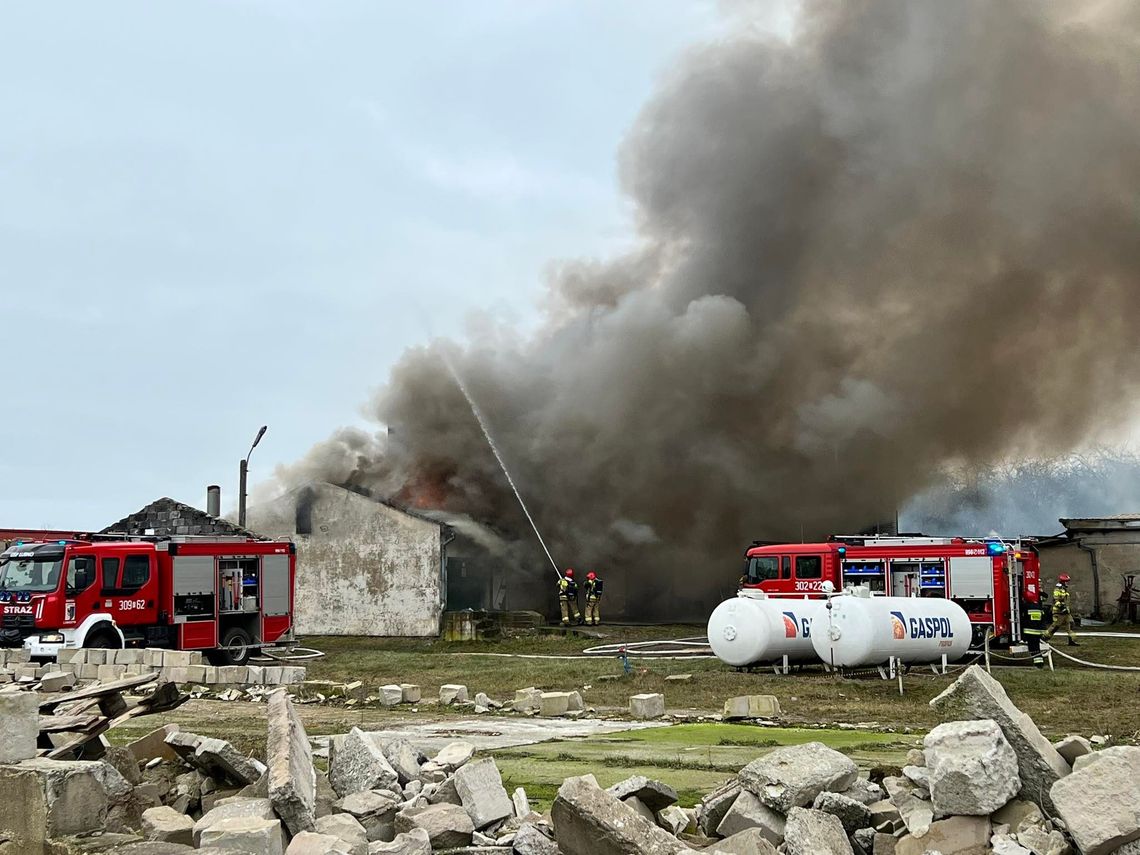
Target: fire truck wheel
x,y
104,639
235,646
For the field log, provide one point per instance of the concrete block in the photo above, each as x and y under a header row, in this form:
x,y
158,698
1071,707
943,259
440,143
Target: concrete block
x,y
97,656
405,758
391,695
291,675
647,706
1100,801
752,706
452,693
589,820
176,674
236,808
128,657
233,675
42,798
88,672
481,791
210,675
19,726
271,675
110,673
179,658
167,825
972,768
793,776
453,755
958,835
554,703
527,700
196,674
977,695
447,826
246,834
153,745
71,655
374,811
311,843
1072,747
344,827
411,693
813,832
221,761
254,677
746,811
292,780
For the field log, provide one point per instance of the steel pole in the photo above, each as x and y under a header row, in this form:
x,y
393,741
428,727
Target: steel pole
x,y
243,469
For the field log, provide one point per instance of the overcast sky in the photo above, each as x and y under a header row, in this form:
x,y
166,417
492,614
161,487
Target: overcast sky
x,y
218,215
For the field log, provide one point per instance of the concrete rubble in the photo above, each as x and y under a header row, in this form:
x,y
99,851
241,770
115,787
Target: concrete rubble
x,y
965,793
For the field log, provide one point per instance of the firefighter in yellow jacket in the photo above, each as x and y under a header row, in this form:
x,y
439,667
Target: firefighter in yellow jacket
x,y
568,598
1062,611
593,599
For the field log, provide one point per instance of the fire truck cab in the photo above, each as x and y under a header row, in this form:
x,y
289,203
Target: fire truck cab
x,y
991,579
223,596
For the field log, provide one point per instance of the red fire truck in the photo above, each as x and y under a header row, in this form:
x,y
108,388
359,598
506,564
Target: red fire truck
x,y
990,578
223,596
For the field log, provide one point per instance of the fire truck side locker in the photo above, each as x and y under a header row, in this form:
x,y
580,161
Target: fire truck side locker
x,y
195,604
276,588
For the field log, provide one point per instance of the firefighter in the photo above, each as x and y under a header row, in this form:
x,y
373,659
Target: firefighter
x,y
568,598
593,597
1062,611
1033,623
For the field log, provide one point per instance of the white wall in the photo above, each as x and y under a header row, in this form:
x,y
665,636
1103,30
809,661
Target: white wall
x,y
366,568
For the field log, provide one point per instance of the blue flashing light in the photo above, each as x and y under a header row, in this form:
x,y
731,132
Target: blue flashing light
x,y
994,547
62,542
842,550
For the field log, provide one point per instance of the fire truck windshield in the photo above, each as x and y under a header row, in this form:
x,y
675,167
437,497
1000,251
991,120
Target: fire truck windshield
x,y
32,573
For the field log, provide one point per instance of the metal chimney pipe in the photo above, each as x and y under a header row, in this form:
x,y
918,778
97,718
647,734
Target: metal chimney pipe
x,y
214,500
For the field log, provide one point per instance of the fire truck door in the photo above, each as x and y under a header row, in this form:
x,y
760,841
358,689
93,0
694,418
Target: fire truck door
x,y
131,595
276,596
195,603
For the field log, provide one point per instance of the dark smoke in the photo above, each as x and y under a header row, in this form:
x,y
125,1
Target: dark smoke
x,y
906,240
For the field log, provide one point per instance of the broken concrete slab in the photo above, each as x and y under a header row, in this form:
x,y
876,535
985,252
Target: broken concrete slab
x,y
454,755
246,834
751,706
977,695
1100,802
813,832
346,828
359,764
972,769
292,781
751,841
520,802
794,775
639,807
375,811
654,794
747,811
1072,747
481,791
19,726
958,835
414,842
712,808
233,809
916,812
675,819
167,825
405,759
865,791
853,814
447,826
311,843
532,840
590,821
647,706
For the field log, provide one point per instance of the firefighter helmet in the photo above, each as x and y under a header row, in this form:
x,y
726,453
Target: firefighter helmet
x,y
569,572
1064,578
591,575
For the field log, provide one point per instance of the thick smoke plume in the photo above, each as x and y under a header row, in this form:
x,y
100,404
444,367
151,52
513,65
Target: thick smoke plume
x,y
905,240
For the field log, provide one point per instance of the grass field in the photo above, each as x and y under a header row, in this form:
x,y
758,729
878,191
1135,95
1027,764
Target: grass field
x,y
693,757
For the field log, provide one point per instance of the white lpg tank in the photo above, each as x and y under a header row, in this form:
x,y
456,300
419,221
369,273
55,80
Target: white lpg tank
x,y
753,627
859,629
